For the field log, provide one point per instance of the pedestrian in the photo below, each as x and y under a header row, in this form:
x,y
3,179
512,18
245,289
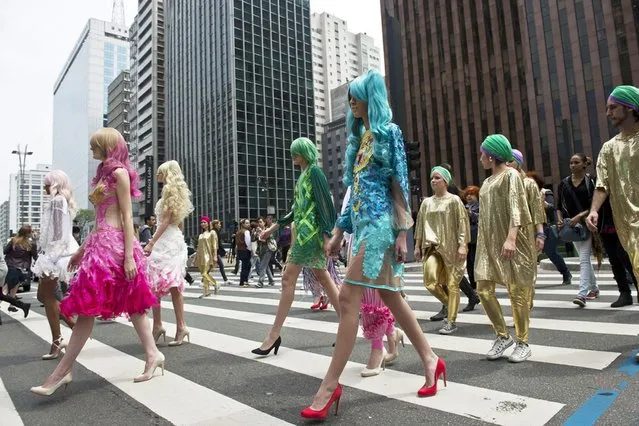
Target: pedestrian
x,y
314,216
221,252
20,252
206,254
442,233
147,230
378,216
57,245
111,280
471,197
550,229
505,248
167,252
243,255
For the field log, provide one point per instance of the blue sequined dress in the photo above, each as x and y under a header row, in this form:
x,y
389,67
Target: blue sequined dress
x,y
376,212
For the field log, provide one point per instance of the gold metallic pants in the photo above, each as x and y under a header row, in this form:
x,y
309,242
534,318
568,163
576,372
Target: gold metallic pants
x,y
634,259
520,301
207,280
435,281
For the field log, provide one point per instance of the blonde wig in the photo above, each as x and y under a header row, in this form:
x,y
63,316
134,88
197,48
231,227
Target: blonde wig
x,y
176,197
112,146
59,184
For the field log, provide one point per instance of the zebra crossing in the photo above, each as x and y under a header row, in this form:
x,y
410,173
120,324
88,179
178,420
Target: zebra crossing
x,y
217,380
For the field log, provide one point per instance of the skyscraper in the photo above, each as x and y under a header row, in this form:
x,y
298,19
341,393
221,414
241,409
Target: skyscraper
x,y
239,84
334,142
119,104
80,99
4,221
537,71
339,56
147,100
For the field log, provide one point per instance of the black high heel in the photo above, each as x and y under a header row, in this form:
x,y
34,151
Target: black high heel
x,y
275,345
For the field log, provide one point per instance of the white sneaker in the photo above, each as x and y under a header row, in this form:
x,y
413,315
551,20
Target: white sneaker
x,y
499,347
521,353
448,328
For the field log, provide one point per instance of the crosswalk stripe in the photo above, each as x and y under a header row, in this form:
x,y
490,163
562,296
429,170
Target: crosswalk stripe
x,y
187,398
504,301
8,413
595,327
583,358
478,403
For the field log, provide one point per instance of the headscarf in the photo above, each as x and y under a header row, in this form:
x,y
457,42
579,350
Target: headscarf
x,y
205,219
497,146
627,96
445,174
518,157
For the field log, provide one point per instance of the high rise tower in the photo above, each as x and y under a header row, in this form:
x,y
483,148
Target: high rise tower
x,y
117,16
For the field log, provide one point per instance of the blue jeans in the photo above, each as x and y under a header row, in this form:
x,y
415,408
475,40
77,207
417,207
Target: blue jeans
x,y
550,248
587,279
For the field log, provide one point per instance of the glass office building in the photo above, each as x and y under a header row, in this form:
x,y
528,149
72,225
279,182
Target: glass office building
x,y
239,89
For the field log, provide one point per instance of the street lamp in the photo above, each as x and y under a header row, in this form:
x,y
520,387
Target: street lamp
x,y
22,161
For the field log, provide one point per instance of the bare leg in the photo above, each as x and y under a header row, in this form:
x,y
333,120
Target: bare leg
x,y
289,280
79,335
349,298
178,307
157,316
46,289
329,286
143,330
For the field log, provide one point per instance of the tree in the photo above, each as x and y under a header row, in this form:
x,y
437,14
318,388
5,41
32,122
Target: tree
x,y
85,218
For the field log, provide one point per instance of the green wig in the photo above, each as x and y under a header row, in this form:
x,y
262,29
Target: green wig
x,y
305,148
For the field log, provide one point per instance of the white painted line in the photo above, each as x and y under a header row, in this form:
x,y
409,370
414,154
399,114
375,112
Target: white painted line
x,y
583,358
9,416
478,403
608,328
178,400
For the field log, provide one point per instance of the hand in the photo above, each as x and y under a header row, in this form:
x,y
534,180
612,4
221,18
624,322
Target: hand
x,y
417,253
539,243
560,223
462,252
508,249
400,248
574,221
148,249
130,268
592,220
75,260
264,235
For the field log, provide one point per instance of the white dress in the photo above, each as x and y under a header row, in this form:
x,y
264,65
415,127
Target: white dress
x,y
167,262
57,244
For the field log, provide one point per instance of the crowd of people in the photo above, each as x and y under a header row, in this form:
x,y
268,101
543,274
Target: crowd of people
x,y
493,232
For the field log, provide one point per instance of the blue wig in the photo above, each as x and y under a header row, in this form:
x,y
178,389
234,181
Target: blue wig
x,y
370,88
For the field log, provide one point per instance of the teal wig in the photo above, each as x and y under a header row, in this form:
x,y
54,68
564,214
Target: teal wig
x,y
305,148
370,88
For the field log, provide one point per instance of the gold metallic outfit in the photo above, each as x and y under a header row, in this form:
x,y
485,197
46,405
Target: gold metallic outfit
x,y
503,202
442,228
538,215
618,175
206,258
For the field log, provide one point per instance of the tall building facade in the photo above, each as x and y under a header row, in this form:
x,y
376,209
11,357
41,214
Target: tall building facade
x,y
239,84
27,198
334,141
339,56
148,99
80,97
538,71
119,104
4,222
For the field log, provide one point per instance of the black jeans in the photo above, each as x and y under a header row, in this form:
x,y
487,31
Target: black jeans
x,y
244,256
220,264
470,264
15,276
619,262
550,249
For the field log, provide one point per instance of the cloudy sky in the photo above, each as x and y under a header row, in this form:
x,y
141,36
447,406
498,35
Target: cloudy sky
x,y
36,38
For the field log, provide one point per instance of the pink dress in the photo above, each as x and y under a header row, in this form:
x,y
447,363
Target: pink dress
x,y
100,287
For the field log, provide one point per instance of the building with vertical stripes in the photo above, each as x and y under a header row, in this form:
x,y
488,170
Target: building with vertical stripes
x,y
239,88
538,71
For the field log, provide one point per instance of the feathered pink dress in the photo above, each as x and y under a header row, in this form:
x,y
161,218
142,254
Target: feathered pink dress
x,y
100,287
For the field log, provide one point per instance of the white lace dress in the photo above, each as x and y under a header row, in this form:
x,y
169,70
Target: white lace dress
x,y
56,243
167,262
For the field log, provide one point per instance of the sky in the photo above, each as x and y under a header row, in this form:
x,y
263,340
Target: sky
x,y
36,38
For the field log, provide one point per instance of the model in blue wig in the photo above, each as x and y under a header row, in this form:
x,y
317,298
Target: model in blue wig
x,y
369,88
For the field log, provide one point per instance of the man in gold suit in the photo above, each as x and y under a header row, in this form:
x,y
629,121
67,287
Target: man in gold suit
x,y
618,172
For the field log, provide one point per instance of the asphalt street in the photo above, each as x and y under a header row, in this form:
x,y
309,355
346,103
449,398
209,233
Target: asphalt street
x,y
581,370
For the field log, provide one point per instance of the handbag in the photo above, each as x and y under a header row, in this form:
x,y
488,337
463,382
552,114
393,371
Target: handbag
x,y
272,244
578,232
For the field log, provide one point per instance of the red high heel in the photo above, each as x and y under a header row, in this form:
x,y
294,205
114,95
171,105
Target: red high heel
x,y
439,370
309,413
318,304
325,304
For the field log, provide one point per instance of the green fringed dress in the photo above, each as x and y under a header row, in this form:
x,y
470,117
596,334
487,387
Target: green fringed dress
x,y
314,216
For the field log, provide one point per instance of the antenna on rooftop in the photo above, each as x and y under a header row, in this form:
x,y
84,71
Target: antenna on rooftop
x,y
118,13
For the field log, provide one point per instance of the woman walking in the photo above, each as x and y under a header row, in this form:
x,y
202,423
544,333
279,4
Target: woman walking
x,y
378,216
167,250
57,245
20,252
206,256
111,280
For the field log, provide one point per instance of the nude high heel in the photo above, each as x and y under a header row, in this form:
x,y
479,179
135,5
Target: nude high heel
x,y
148,373
57,345
399,338
180,338
160,332
43,391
